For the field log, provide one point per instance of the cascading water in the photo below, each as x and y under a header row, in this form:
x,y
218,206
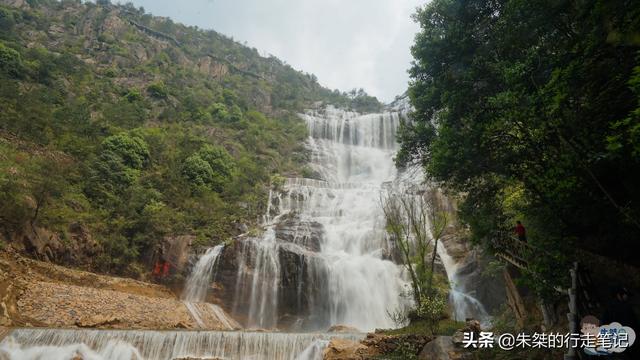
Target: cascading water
x,y
464,305
329,232
196,287
334,232
57,344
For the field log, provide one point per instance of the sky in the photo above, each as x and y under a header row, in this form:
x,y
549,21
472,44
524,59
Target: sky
x,y
346,43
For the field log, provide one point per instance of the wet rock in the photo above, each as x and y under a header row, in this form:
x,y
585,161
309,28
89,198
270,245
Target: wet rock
x,y
3,332
302,278
306,234
342,329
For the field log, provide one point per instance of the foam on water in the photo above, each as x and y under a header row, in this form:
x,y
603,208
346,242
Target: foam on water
x,y
59,344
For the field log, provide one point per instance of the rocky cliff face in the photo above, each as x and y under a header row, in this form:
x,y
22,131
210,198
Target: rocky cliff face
x,y
78,249
298,286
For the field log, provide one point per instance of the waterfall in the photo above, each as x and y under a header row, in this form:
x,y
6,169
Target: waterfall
x,y
314,351
201,276
195,291
322,258
464,305
58,344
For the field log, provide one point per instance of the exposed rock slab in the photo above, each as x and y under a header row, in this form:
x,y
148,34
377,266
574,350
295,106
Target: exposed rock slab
x,y
36,293
344,349
61,305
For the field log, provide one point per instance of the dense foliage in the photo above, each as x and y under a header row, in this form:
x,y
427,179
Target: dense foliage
x,y
139,128
530,109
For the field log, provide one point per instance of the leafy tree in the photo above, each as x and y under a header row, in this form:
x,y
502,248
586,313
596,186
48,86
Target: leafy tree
x,y
158,90
197,171
211,166
10,61
416,223
132,150
535,95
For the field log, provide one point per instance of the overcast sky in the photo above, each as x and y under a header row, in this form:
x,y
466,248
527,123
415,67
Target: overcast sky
x,y
346,43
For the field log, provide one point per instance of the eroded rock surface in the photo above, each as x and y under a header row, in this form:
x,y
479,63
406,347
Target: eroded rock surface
x,y
343,349
36,293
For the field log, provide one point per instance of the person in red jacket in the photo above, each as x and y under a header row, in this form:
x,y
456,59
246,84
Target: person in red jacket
x,y
520,231
161,267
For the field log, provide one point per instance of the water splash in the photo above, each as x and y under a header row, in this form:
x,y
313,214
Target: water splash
x,y
201,276
315,351
464,304
196,289
58,344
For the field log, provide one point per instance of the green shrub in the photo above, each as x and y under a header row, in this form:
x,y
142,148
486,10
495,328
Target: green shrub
x,y
133,151
197,171
133,95
10,62
158,90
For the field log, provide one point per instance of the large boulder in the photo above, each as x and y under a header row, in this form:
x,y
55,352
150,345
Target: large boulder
x,y
439,349
344,349
39,243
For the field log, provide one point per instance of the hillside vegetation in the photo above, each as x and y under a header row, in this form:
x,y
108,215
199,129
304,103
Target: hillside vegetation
x,y
132,128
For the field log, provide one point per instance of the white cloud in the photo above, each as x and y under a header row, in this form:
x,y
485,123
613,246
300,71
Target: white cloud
x,y
346,43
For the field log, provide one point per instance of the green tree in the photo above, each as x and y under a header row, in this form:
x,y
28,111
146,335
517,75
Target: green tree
x,y
536,95
10,62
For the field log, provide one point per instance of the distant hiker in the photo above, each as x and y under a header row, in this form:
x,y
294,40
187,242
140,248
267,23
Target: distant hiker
x,y
520,231
161,267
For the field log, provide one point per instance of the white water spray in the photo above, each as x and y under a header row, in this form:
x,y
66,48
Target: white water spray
x,y
196,288
58,344
464,305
